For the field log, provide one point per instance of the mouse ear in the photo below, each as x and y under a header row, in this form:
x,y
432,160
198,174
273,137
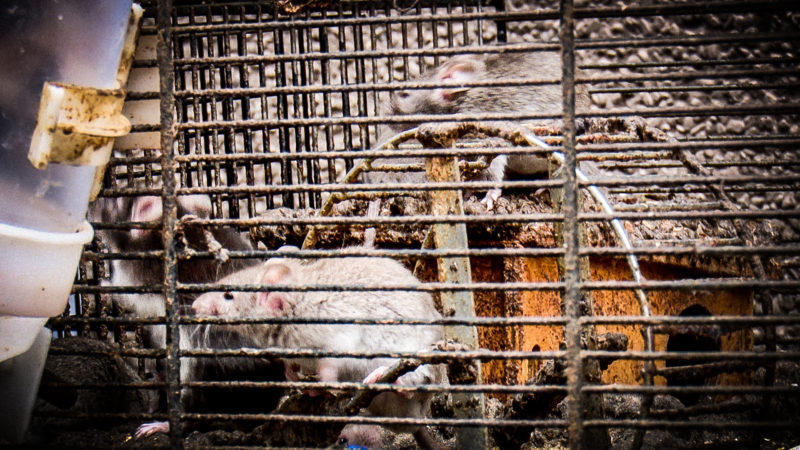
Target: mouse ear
x,y
460,69
275,272
145,209
273,303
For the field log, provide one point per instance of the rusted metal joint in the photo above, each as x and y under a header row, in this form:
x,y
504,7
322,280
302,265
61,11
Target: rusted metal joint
x,y
694,372
443,135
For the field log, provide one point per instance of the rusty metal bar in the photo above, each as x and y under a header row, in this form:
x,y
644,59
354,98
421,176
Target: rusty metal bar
x,y
641,295
700,111
745,6
727,322
685,249
571,234
545,424
659,390
691,372
697,88
493,388
485,355
731,143
169,219
513,16
482,185
415,84
522,47
593,152
638,186
705,62
646,424
683,285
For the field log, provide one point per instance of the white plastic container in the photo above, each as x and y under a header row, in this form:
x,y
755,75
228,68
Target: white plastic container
x,y
43,225
38,267
42,212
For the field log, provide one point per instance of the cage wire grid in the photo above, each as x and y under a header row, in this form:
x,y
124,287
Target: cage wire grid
x,y
691,133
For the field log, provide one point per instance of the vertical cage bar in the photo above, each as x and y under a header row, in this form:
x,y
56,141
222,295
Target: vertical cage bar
x,y
500,6
169,219
572,310
284,131
361,70
325,69
306,41
374,95
345,80
247,135
266,167
227,109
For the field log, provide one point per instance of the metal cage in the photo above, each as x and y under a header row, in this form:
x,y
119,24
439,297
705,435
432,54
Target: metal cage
x,y
639,291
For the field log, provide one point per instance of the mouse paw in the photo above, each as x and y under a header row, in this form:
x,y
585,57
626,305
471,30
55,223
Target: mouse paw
x,y
491,197
147,429
376,374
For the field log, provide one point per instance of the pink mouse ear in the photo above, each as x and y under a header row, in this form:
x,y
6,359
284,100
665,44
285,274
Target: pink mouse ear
x,y
275,272
145,209
460,70
274,303
464,69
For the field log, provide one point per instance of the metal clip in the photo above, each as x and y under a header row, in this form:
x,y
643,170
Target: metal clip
x,y
77,125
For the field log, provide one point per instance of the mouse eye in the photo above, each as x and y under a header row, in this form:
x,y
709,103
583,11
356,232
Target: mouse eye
x,y
227,296
342,441
403,94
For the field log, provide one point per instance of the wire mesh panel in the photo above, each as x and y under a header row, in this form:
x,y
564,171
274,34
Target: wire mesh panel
x,y
443,224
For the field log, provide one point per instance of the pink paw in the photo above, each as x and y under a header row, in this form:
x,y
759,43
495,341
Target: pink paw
x,y
378,373
147,429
